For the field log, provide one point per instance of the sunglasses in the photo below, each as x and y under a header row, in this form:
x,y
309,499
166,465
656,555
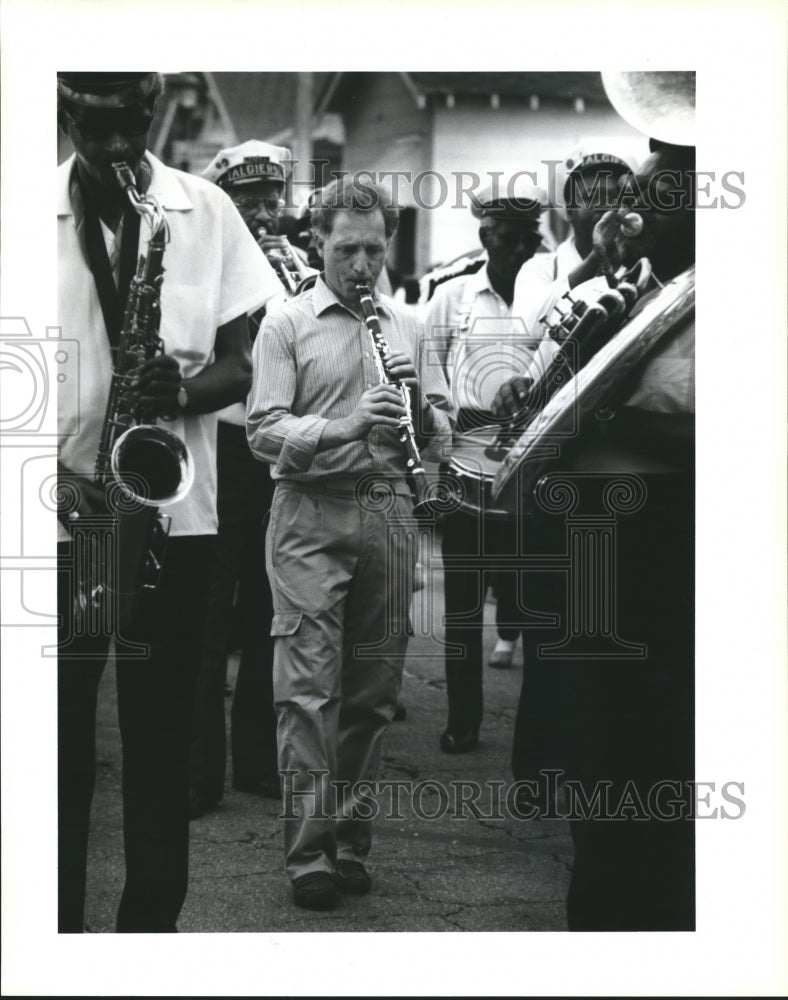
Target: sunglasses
x,y
253,202
97,126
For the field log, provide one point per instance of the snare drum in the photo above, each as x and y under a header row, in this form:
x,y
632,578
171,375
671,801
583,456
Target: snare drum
x,y
471,472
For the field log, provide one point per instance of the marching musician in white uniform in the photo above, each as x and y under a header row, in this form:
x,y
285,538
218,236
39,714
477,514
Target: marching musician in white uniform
x,y
480,344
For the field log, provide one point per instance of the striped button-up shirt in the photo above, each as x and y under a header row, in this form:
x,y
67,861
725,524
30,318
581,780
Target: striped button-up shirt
x,y
313,360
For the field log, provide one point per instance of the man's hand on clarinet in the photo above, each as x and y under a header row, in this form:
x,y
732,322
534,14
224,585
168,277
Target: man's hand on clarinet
x,y
380,405
401,368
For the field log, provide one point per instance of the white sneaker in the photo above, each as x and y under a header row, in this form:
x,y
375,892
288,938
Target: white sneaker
x,y
502,654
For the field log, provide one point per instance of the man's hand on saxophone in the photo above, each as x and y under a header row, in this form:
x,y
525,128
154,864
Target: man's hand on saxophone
x,y
156,386
162,391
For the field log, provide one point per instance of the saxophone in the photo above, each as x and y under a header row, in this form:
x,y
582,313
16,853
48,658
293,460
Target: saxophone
x,y
139,465
422,503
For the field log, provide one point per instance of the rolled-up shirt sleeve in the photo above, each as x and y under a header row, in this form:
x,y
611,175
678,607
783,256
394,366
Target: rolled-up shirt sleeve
x,y
287,442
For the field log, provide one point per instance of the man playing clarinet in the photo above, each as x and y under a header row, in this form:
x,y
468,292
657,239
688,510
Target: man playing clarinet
x,y
340,571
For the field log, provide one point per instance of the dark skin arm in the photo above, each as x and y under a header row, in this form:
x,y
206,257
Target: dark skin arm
x,y
603,257
586,269
227,380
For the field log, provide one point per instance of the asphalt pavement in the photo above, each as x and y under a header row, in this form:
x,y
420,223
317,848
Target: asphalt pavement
x,y
438,865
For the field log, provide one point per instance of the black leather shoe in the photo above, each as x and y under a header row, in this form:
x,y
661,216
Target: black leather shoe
x,y
352,877
459,743
315,891
199,805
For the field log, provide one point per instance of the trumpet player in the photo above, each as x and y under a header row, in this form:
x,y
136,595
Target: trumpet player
x,y
626,722
253,175
591,174
340,576
213,276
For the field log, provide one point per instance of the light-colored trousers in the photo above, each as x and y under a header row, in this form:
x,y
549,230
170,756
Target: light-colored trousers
x,y
341,572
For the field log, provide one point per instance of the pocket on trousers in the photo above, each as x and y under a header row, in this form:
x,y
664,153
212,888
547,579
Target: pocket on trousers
x,y
286,623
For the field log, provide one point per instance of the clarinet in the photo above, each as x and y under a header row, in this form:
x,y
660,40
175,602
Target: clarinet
x,y
417,477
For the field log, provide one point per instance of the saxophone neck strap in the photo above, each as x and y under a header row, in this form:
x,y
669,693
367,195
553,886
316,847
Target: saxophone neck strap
x,y
112,298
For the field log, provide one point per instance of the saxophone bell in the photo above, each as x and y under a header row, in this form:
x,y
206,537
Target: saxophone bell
x,y
152,464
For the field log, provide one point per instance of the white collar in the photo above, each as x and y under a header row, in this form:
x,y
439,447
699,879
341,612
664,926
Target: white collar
x,y
479,282
165,185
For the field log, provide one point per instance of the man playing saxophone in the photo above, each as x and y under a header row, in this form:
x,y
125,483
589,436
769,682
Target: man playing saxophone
x,y
340,573
214,275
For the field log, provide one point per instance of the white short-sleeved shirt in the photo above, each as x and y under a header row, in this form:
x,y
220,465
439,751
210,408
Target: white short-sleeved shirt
x,y
213,272
480,345
540,283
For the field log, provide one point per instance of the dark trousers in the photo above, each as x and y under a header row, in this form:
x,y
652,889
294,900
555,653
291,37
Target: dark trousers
x,y
154,709
507,608
469,546
623,724
472,548
245,490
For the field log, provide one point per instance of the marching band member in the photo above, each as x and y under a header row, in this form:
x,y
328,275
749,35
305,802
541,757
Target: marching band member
x,y
622,727
209,286
480,344
253,175
341,578
591,176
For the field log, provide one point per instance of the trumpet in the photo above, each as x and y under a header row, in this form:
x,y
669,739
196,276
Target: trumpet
x,y
289,267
